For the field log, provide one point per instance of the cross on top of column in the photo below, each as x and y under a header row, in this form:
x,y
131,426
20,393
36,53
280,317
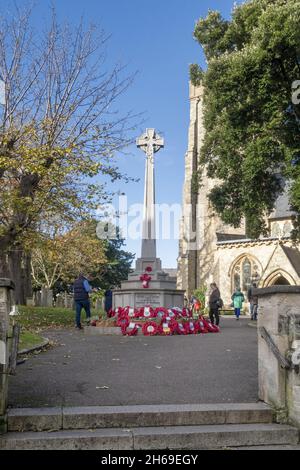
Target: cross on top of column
x,y
150,142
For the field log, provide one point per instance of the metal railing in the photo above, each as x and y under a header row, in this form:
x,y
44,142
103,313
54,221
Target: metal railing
x,y
283,361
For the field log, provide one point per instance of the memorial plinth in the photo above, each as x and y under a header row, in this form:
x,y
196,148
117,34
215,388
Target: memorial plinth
x,y
149,285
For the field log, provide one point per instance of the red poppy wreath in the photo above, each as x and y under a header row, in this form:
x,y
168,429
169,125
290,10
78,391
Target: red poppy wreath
x,y
145,279
150,328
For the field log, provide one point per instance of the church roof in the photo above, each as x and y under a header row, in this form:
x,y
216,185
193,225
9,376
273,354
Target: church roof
x,y
293,254
224,237
171,271
282,208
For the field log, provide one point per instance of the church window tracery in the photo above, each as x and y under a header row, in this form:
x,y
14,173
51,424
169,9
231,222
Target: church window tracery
x,y
244,273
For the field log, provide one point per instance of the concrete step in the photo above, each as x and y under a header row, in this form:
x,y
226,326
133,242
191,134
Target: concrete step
x,y
159,438
55,419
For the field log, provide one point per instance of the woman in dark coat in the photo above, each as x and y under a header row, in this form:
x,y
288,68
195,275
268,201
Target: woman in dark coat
x,y
214,303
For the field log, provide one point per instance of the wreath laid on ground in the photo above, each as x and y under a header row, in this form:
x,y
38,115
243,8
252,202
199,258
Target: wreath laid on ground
x,y
160,321
150,328
127,330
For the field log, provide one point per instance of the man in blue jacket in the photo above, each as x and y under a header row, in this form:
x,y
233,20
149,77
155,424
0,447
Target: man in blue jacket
x,y
81,290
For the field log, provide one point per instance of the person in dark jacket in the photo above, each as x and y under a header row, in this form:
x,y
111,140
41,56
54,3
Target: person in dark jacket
x,y
253,299
81,289
108,300
214,303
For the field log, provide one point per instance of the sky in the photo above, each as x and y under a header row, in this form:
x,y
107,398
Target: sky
x,y
155,39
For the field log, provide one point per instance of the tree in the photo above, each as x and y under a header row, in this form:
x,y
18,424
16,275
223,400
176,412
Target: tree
x,y
59,128
58,257
117,268
252,125
63,256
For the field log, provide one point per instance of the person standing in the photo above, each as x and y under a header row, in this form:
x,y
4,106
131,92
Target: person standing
x,y
214,304
237,300
253,299
108,300
81,289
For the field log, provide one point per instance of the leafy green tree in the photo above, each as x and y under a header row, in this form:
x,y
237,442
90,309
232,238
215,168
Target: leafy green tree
x,y
118,265
252,125
59,128
59,259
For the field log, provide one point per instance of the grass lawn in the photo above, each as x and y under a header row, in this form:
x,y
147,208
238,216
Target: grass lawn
x,y
35,319
29,340
40,318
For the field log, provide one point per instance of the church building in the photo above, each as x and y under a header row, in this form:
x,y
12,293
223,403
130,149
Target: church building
x,y
210,251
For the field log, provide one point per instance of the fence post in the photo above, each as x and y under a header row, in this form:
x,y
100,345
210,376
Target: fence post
x,y
6,286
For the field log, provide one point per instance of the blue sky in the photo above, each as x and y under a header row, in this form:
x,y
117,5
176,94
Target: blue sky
x,y
155,38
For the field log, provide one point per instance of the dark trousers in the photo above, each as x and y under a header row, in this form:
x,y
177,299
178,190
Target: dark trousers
x,y
80,304
214,315
253,311
237,312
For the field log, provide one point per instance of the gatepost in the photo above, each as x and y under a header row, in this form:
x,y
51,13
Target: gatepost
x,y
6,287
279,350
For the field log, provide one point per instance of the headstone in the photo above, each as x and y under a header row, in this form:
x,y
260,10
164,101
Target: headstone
x,y
60,301
46,297
30,301
68,300
37,298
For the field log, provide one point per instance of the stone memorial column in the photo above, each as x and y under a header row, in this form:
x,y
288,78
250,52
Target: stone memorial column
x,y
150,143
5,306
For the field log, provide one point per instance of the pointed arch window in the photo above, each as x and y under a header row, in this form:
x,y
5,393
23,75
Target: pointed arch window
x,y
245,272
237,278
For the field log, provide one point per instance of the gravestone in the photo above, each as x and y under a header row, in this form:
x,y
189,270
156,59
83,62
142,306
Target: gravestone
x,y
60,301
68,300
30,302
37,298
46,297
160,289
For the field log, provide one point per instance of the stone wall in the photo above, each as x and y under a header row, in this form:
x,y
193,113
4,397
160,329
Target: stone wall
x,y
278,339
188,260
6,287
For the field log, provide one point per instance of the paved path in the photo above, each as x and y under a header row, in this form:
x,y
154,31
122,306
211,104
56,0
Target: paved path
x,y
212,368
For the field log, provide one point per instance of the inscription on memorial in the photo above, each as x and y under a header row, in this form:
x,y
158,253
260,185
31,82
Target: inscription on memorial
x,y
147,299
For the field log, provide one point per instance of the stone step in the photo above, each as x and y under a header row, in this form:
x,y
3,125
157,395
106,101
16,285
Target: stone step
x,y
95,417
158,438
